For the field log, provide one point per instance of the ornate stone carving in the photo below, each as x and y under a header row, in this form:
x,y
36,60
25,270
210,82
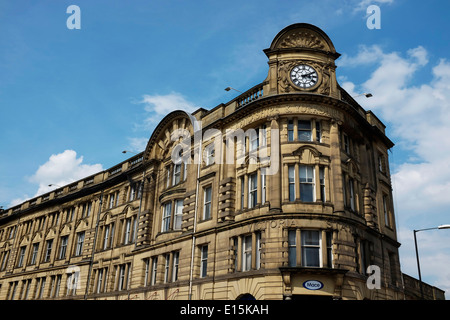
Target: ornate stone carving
x,y
302,39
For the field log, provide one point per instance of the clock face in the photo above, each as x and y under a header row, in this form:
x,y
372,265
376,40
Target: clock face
x,y
304,76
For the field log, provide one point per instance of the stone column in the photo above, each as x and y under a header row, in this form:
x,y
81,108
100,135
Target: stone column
x,y
336,170
275,179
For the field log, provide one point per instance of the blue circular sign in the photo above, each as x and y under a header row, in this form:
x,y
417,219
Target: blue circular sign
x,y
313,285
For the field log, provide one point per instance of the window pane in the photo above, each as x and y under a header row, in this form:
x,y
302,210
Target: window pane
x,y
318,132
167,212
292,253
291,174
207,203
247,253
306,192
252,199
306,174
304,125
310,257
310,237
304,130
204,261
176,174
290,130
178,214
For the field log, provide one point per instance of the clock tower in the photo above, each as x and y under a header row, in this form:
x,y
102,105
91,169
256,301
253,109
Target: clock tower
x,y
302,59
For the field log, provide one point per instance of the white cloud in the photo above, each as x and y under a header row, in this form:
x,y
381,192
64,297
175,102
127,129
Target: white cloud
x,y
363,4
61,169
366,55
160,105
137,144
157,107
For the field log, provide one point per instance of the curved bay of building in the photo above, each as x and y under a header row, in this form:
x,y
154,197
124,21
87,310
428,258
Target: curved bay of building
x,y
290,198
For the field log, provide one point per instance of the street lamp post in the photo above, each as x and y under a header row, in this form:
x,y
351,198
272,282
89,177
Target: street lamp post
x,y
445,226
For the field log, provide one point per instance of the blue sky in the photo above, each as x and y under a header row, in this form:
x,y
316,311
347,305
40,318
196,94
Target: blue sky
x,y
72,100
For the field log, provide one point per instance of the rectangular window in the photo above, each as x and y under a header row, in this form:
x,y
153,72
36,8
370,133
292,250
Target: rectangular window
x,y
178,214
175,263
254,139
63,247
204,261
139,187
207,193
176,174
185,166
291,177
258,250
318,132
88,209
263,135
168,176
58,285
122,277
26,289
166,267
111,236
42,287
100,280
310,248
292,248
4,260
34,253
304,130
128,232
167,213
351,194
242,191
322,183
247,253
306,183
80,241
21,256
252,190
329,249
147,271
290,130
133,191
52,286
12,232
154,270
106,237
13,289
48,250
263,191
112,198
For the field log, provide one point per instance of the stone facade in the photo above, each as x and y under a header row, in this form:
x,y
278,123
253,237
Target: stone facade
x,y
282,193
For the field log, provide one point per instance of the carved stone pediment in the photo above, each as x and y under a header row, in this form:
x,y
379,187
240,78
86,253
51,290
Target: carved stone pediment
x,y
302,39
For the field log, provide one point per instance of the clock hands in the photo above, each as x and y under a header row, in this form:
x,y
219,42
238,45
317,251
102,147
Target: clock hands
x,y
304,76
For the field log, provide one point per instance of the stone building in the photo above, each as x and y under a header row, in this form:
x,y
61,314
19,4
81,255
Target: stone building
x,y
281,193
